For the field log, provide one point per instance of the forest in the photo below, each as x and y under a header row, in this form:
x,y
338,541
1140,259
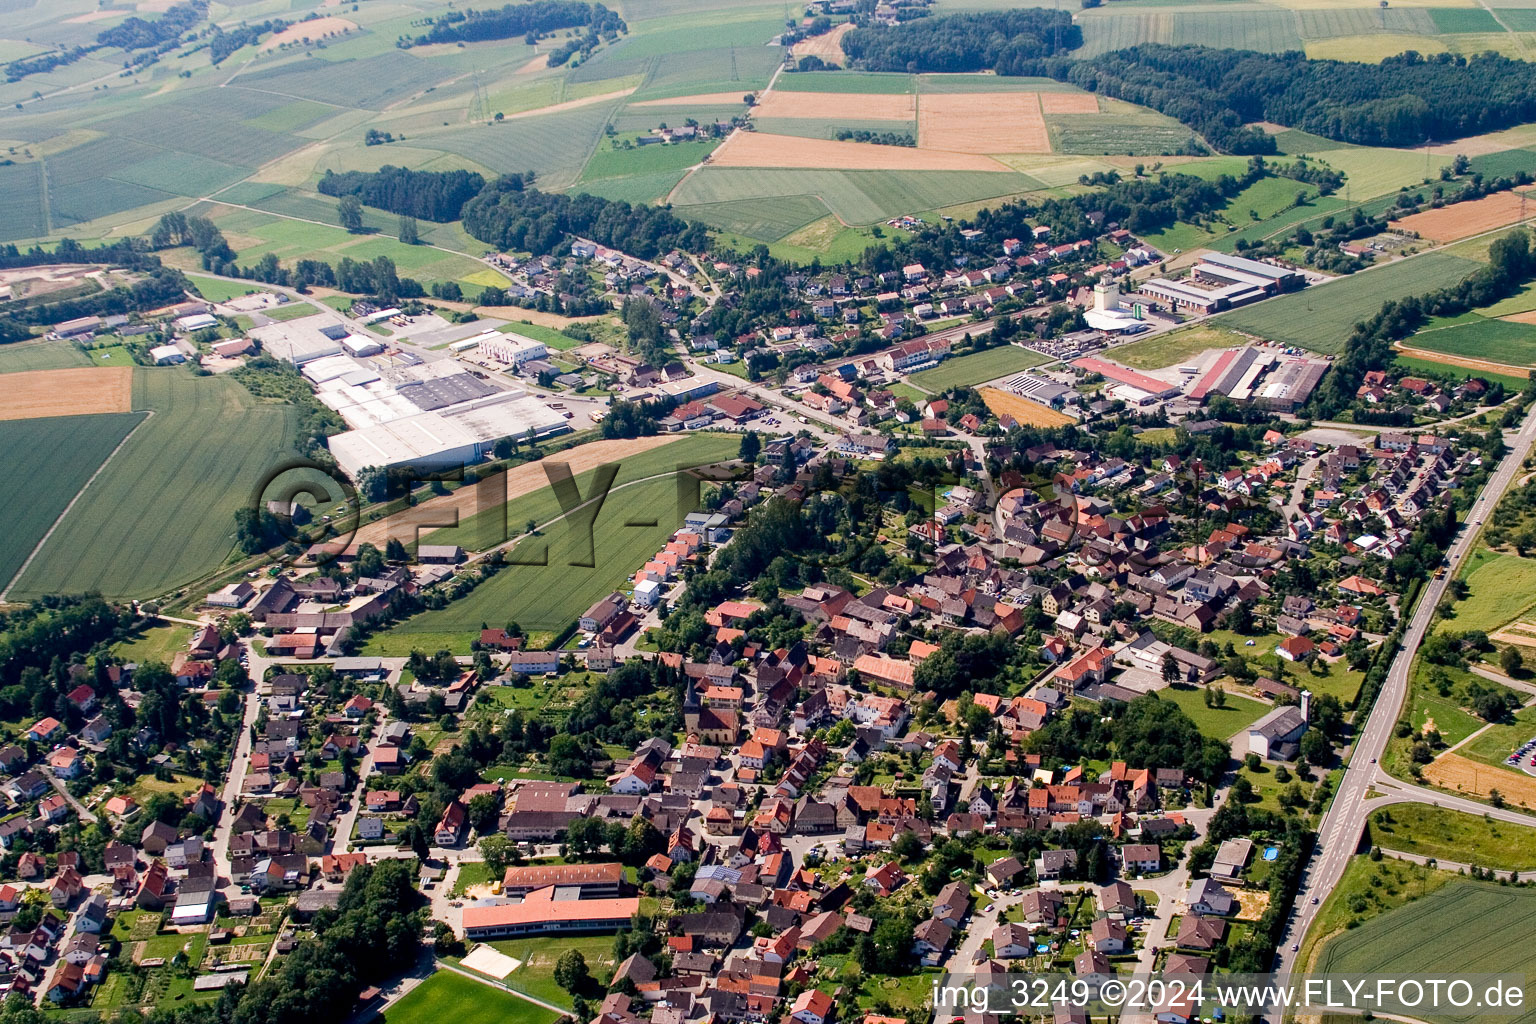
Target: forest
x,y
1403,101
515,217
535,19
1007,42
431,195
137,34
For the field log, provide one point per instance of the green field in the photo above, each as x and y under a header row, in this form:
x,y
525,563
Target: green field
x,y
449,996
47,461
977,367
857,197
1497,742
536,975
1117,134
632,524
1461,927
41,355
1502,341
1367,889
1453,836
1219,723
162,512
215,290
1173,348
1250,208
845,81
1500,590
1320,317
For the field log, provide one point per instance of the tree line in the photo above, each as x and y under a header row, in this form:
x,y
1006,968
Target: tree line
x,y
225,43
1402,101
1007,42
510,214
135,33
431,195
534,20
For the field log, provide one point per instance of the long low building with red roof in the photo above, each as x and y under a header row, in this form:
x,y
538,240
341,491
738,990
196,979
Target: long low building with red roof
x,y
1121,375
543,912
595,880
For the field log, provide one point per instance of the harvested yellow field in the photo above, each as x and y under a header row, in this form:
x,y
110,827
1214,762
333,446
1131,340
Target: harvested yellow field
x,y
520,480
32,394
1528,317
1467,362
1027,413
1463,220
705,99
315,28
828,46
761,149
1373,48
1069,103
1463,775
833,105
986,122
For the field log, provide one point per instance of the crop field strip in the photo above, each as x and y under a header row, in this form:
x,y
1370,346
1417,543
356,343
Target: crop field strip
x,y
855,197
1320,317
1499,341
47,461
38,394
162,511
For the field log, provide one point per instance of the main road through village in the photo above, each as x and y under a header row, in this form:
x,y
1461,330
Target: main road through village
x,y
1339,834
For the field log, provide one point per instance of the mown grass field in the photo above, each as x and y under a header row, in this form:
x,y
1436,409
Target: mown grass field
x,y
1320,317
1453,836
1463,926
162,512
450,996
977,368
46,463
1501,341
41,355
1218,723
1174,348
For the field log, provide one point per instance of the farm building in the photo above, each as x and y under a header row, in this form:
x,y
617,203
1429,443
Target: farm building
x,y
197,322
167,355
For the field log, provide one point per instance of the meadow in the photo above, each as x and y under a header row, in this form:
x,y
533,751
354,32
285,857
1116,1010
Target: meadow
x,y
450,996
1500,589
162,511
1461,927
977,368
1320,317
41,355
47,461
1174,348
1453,836
1501,341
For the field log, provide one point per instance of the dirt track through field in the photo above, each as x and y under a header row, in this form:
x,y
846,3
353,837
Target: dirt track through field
x,y
32,394
1463,220
520,480
834,105
760,149
828,46
1467,363
703,99
995,122
1463,775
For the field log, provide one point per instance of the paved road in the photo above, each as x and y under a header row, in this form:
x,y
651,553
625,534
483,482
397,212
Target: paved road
x,y
234,780
1341,828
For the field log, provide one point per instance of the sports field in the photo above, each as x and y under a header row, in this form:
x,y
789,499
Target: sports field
x,y
1320,317
162,511
1463,927
450,996
977,368
46,462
